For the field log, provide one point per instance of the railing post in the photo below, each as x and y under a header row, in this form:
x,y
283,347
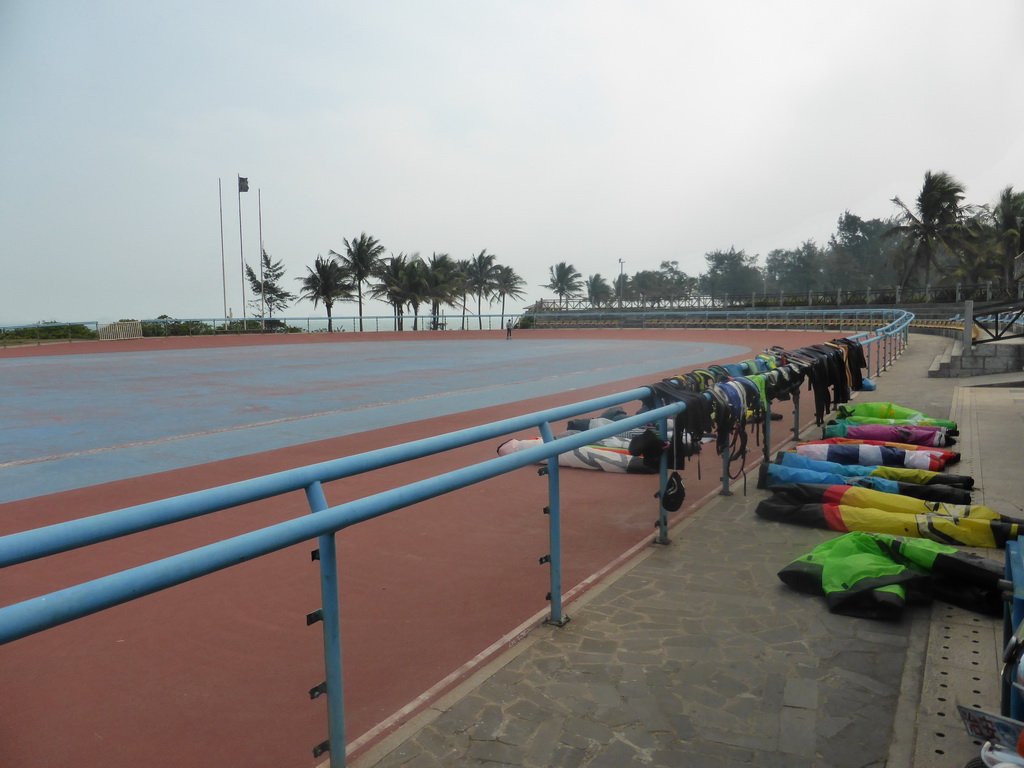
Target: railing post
x,y
725,473
329,615
662,537
554,556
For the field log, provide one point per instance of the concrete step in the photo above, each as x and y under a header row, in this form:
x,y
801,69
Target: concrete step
x,y
941,367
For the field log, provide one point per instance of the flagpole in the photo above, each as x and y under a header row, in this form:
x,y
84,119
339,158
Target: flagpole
x,y
241,253
263,287
223,268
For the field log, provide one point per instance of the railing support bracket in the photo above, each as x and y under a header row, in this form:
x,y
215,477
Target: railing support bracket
x,y
318,691
322,747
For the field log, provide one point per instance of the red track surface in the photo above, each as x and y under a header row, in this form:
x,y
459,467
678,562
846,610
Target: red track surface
x,y
218,670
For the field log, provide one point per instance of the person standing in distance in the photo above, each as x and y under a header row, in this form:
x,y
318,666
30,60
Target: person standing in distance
x,y
508,329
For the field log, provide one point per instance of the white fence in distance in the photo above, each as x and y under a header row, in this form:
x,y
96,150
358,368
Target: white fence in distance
x,y
124,329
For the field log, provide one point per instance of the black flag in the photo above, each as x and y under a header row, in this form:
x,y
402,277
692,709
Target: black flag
x,y
243,184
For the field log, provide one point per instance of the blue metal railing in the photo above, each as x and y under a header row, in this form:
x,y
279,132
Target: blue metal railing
x,y
37,614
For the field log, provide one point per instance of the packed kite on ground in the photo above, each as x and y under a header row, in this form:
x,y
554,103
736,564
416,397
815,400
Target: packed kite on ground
x,y
902,515
874,575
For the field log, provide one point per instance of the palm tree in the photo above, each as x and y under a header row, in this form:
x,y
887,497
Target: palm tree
x,y
507,284
392,278
462,289
565,281
360,258
598,290
481,275
974,266
937,226
327,281
443,284
1007,222
416,283
621,287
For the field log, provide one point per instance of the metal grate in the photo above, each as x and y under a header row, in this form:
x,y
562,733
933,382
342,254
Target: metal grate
x,y
961,667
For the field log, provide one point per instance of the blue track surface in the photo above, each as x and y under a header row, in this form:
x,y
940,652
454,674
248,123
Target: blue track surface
x,y
72,421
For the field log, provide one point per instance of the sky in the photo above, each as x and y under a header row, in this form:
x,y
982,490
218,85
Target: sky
x,y
585,131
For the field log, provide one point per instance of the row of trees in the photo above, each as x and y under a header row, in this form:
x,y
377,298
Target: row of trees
x,y
937,240
649,286
402,281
